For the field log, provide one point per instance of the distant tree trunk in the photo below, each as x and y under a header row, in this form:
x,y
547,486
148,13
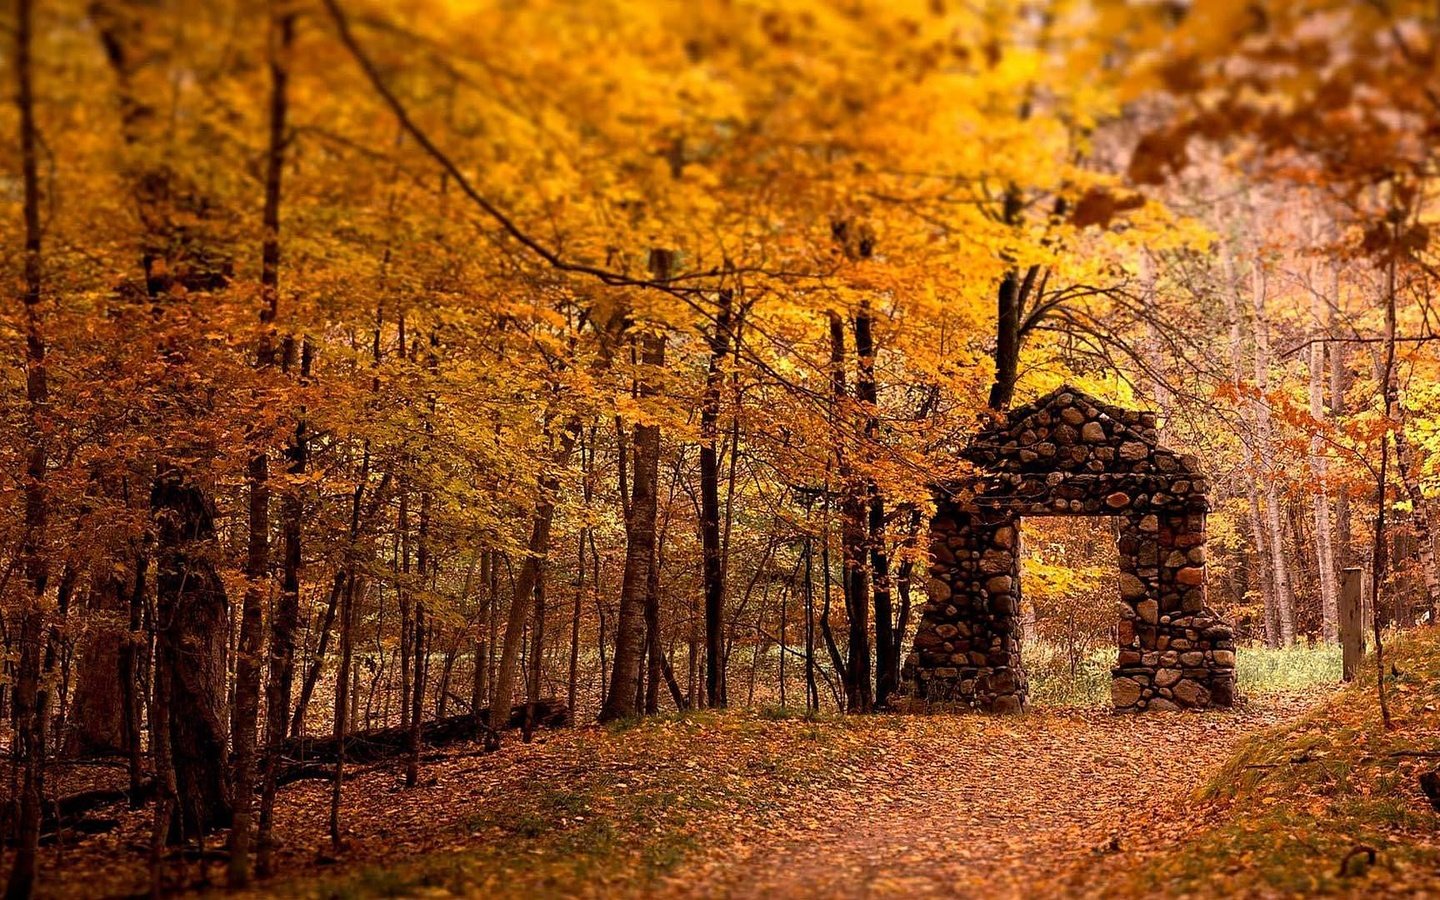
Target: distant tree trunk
x,y
887,662
245,713
1262,570
283,623
523,597
100,726
537,661
417,709
1284,598
361,517
479,689
1339,378
812,690
342,701
133,654
191,626
322,646
1407,467
572,679
407,629
640,526
714,570
1320,501
654,651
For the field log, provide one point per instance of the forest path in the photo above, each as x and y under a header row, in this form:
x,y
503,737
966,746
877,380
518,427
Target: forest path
x,y
987,807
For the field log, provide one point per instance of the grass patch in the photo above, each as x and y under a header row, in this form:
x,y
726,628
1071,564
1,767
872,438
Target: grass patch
x,y
1058,680
1300,802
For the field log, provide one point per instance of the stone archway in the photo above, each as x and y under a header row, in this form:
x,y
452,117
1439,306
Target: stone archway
x,y
1070,454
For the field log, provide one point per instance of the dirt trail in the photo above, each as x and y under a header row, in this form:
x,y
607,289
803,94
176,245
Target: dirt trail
x,y
988,808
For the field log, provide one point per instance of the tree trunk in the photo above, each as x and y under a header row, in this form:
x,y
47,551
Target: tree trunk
x,y
1339,379
714,570
99,709
1320,503
640,526
31,692
191,625
283,622
246,711
523,598
887,661
342,701
1284,598
854,581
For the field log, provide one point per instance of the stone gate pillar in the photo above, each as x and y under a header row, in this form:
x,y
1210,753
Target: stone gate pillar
x,y
1174,653
967,647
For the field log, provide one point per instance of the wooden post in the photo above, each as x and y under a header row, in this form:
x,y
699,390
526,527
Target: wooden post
x,y
1352,632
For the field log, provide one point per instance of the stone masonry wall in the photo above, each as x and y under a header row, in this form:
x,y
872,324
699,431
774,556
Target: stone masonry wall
x,y
1069,454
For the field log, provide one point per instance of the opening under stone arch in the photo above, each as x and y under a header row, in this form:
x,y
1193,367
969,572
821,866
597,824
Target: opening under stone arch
x,y
1069,578
1068,454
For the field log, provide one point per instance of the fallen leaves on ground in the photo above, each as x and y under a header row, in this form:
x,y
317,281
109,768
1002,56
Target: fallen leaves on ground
x,y
742,804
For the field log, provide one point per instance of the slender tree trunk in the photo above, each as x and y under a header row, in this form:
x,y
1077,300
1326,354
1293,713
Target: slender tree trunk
x,y
1262,571
1339,378
245,713
342,702
1407,467
523,598
640,527
283,622
1320,503
417,709
537,661
855,580
1007,320
31,694
812,690
887,661
1284,598
714,570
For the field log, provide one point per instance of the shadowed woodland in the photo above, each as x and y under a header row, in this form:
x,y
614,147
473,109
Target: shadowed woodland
x,y
396,392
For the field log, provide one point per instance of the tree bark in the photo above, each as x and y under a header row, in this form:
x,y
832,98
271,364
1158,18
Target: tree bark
x,y
523,597
1320,504
191,625
855,583
714,570
640,525
1284,598
887,660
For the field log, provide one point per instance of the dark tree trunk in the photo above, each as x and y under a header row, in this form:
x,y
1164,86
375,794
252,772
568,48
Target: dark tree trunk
x,y
887,661
99,713
714,570
855,581
283,624
1007,321
192,616
247,672
32,696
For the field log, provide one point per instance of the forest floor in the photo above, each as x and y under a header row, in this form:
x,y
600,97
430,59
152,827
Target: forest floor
x,y
1271,799
748,804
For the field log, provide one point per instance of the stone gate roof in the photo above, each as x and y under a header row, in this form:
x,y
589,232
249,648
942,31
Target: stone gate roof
x,y
1068,452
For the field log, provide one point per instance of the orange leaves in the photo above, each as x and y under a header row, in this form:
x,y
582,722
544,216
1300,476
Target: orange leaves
x,y
1158,155
1098,206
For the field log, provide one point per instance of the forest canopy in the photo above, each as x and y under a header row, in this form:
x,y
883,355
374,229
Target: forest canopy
x,y
385,365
